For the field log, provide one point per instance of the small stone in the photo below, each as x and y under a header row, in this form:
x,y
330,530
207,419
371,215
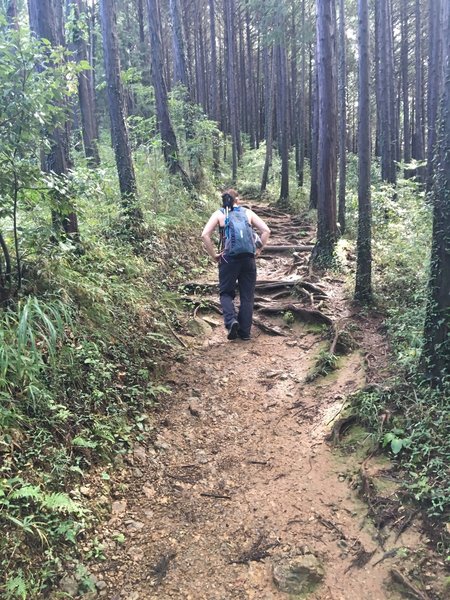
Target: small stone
x,y
140,455
86,491
161,444
134,525
118,507
194,407
298,575
101,585
291,343
69,585
148,492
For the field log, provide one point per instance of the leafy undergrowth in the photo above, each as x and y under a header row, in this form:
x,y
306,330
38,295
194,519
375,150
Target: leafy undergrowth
x,y
80,354
407,416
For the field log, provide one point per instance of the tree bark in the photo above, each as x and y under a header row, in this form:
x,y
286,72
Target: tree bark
x,y
418,146
269,79
119,131
230,66
363,286
85,95
436,351
434,83
46,23
314,131
169,141
404,15
282,117
342,118
323,252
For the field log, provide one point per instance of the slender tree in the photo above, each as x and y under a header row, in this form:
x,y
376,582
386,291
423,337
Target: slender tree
x,y
434,82
418,147
85,92
436,351
363,287
404,25
46,23
169,141
327,149
342,77
119,131
269,78
230,66
283,122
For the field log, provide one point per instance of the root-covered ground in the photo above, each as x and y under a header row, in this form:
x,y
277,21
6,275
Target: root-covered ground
x,y
240,493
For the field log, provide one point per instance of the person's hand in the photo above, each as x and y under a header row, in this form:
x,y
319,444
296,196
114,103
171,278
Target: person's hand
x,y
218,257
258,251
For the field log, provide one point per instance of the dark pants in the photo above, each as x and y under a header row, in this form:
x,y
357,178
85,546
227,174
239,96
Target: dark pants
x,y
240,269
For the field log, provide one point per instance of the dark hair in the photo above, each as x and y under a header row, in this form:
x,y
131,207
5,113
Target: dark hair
x,y
229,198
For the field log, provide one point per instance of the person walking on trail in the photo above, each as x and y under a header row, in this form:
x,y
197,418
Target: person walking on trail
x,y
236,260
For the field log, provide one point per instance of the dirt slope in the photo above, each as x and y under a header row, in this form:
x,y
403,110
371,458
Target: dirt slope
x,y
239,477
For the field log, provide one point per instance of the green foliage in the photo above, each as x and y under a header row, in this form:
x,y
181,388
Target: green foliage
x,y
412,422
325,364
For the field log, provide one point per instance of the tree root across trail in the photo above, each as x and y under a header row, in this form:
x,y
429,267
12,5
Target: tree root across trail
x,y
237,495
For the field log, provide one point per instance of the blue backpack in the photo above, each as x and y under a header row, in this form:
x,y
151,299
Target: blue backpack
x,y
238,236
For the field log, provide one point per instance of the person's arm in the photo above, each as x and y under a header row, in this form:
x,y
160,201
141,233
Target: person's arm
x,y
261,226
206,236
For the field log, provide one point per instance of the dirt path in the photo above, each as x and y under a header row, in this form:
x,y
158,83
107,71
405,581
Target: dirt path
x,y
239,481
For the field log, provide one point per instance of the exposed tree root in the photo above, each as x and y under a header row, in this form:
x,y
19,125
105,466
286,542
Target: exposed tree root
x,y
305,314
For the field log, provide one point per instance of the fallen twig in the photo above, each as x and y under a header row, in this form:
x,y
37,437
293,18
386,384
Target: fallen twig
x,y
218,496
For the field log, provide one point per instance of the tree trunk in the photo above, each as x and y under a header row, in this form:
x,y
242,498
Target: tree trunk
x,y
418,151
46,23
12,14
363,287
269,79
314,129
386,94
282,117
404,15
86,98
436,351
179,58
230,65
323,252
434,83
169,141
342,118
214,88
119,132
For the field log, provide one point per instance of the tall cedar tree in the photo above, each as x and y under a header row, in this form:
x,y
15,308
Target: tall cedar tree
x,y
283,122
436,352
404,26
434,64
418,143
342,86
169,141
327,155
116,103
46,22
230,67
269,78
385,91
85,91
363,287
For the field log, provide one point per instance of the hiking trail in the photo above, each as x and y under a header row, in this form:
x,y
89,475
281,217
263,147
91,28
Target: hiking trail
x,y
239,495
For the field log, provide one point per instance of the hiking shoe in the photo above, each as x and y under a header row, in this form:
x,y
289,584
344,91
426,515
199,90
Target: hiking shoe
x,y
233,331
244,336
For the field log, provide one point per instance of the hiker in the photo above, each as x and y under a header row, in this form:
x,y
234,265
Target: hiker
x,y
238,246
